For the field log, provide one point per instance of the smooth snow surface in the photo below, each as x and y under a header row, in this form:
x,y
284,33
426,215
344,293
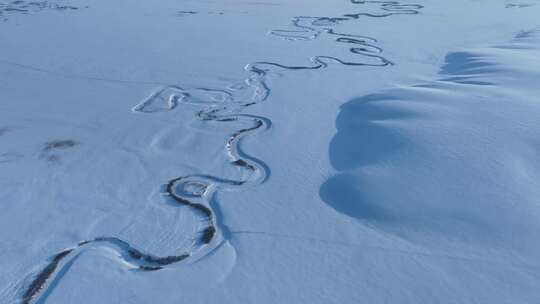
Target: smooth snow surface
x,y
184,151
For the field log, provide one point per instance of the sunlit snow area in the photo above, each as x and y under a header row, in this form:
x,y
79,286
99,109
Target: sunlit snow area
x,y
270,151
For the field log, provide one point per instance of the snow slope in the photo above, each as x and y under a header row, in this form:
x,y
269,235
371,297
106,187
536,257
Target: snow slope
x,y
269,152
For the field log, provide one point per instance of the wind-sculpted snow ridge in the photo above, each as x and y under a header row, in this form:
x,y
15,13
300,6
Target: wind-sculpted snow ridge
x,y
474,88
222,105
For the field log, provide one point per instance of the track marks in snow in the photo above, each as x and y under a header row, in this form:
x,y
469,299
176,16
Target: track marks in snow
x,y
221,106
51,151
192,191
29,7
389,7
309,28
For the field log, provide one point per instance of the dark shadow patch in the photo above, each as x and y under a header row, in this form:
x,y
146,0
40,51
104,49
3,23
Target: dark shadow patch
x,y
50,151
4,131
343,193
464,63
360,140
526,34
60,144
518,5
39,281
208,234
466,68
185,13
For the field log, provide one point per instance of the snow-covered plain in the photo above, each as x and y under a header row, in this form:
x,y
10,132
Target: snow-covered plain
x,y
270,151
